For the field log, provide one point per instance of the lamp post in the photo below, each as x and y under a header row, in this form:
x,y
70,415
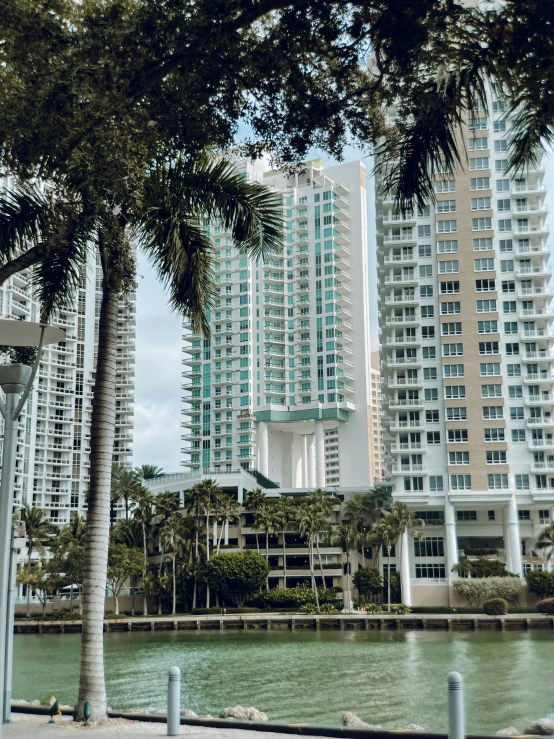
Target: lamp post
x,y
16,381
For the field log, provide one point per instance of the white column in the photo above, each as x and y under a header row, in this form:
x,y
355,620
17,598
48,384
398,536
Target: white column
x,y
297,448
319,455
305,463
451,538
311,461
515,541
506,532
405,570
263,448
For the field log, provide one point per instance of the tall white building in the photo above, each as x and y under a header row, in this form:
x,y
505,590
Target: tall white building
x,y
466,349
52,469
276,389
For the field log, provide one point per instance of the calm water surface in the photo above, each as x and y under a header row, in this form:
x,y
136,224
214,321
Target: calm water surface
x,y
387,678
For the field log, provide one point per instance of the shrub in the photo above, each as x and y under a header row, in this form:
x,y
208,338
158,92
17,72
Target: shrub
x,y
328,608
546,606
292,598
367,581
445,609
495,607
401,609
480,552
476,589
309,609
373,608
238,574
508,588
540,582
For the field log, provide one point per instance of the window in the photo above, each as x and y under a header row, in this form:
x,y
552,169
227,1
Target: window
x,y
488,347
431,546
482,244
478,163
495,457
505,225
512,350
447,247
501,145
446,206
466,515
516,413
518,435
431,571
450,308
431,395
491,391
515,391
493,412
524,515
436,484
489,369
429,373
514,370
503,205
457,458
491,515
457,436
460,482
506,245
426,270
447,288
429,352
428,332
478,143
480,203
446,226
544,517
454,392
487,327
451,329
433,437
453,370
502,185
449,266
509,306
510,327
501,165
445,186
452,350
486,306
499,126
426,291
483,265
508,286
481,224
483,286
456,414
492,435
431,416
427,311
480,183
423,232
522,482
477,124
497,481
425,250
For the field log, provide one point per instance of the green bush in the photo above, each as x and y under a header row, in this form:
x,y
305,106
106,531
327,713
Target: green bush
x,y
446,609
373,608
495,607
309,609
480,552
401,609
328,608
238,574
219,611
367,581
546,606
292,598
540,582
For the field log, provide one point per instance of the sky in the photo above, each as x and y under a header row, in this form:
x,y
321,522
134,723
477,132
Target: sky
x,y
157,435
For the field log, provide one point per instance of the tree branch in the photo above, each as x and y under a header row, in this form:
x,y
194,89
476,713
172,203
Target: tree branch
x,y
23,261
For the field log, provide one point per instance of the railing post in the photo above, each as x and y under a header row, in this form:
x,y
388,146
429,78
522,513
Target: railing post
x,y
456,728
174,702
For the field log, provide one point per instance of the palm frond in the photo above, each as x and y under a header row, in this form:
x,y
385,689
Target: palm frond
x,y
25,212
530,135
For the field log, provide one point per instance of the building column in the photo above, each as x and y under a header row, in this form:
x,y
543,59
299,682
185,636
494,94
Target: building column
x,y
405,570
263,448
311,461
451,538
305,462
507,548
297,460
319,455
515,540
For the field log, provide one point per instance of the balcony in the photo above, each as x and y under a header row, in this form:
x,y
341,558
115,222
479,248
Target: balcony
x,y
403,321
541,444
403,362
402,280
538,400
401,425
538,292
403,469
408,447
401,300
405,403
403,382
534,356
399,238
540,422
533,377
400,259
542,466
542,271
538,250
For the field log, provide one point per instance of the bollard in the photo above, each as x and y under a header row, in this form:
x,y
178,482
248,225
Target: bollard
x,y
174,702
456,728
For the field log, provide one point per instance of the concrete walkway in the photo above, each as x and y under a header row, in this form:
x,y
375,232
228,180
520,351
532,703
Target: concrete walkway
x,y
25,726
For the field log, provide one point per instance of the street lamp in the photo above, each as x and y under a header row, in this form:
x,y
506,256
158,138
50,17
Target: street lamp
x,y
16,380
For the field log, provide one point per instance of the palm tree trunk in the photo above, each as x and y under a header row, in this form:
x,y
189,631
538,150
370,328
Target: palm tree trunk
x,y
126,507
312,573
196,566
388,578
145,550
91,683
174,586
348,579
267,558
160,570
320,563
220,536
207,554
284,561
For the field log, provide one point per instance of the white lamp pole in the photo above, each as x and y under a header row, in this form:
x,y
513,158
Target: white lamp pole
x,y
16,381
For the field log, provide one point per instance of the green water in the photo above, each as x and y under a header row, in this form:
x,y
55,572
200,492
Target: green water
x,y
387,678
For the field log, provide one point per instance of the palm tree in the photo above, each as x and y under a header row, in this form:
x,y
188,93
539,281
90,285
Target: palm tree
x,y
149,471
255,499
126,482
545,540
226,511
38,531
129,531
266,519
323,504
167,214
172,536
166,506
142,512
284,517
391,527
346,537
362,511
204,498
309,526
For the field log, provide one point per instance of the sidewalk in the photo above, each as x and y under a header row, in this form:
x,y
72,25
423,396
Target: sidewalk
x,y
26,726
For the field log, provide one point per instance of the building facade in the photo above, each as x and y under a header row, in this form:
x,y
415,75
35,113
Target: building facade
x,y
276,389
52,468
377,470
466,350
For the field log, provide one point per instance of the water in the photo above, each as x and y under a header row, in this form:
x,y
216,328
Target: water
x,y
387,678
